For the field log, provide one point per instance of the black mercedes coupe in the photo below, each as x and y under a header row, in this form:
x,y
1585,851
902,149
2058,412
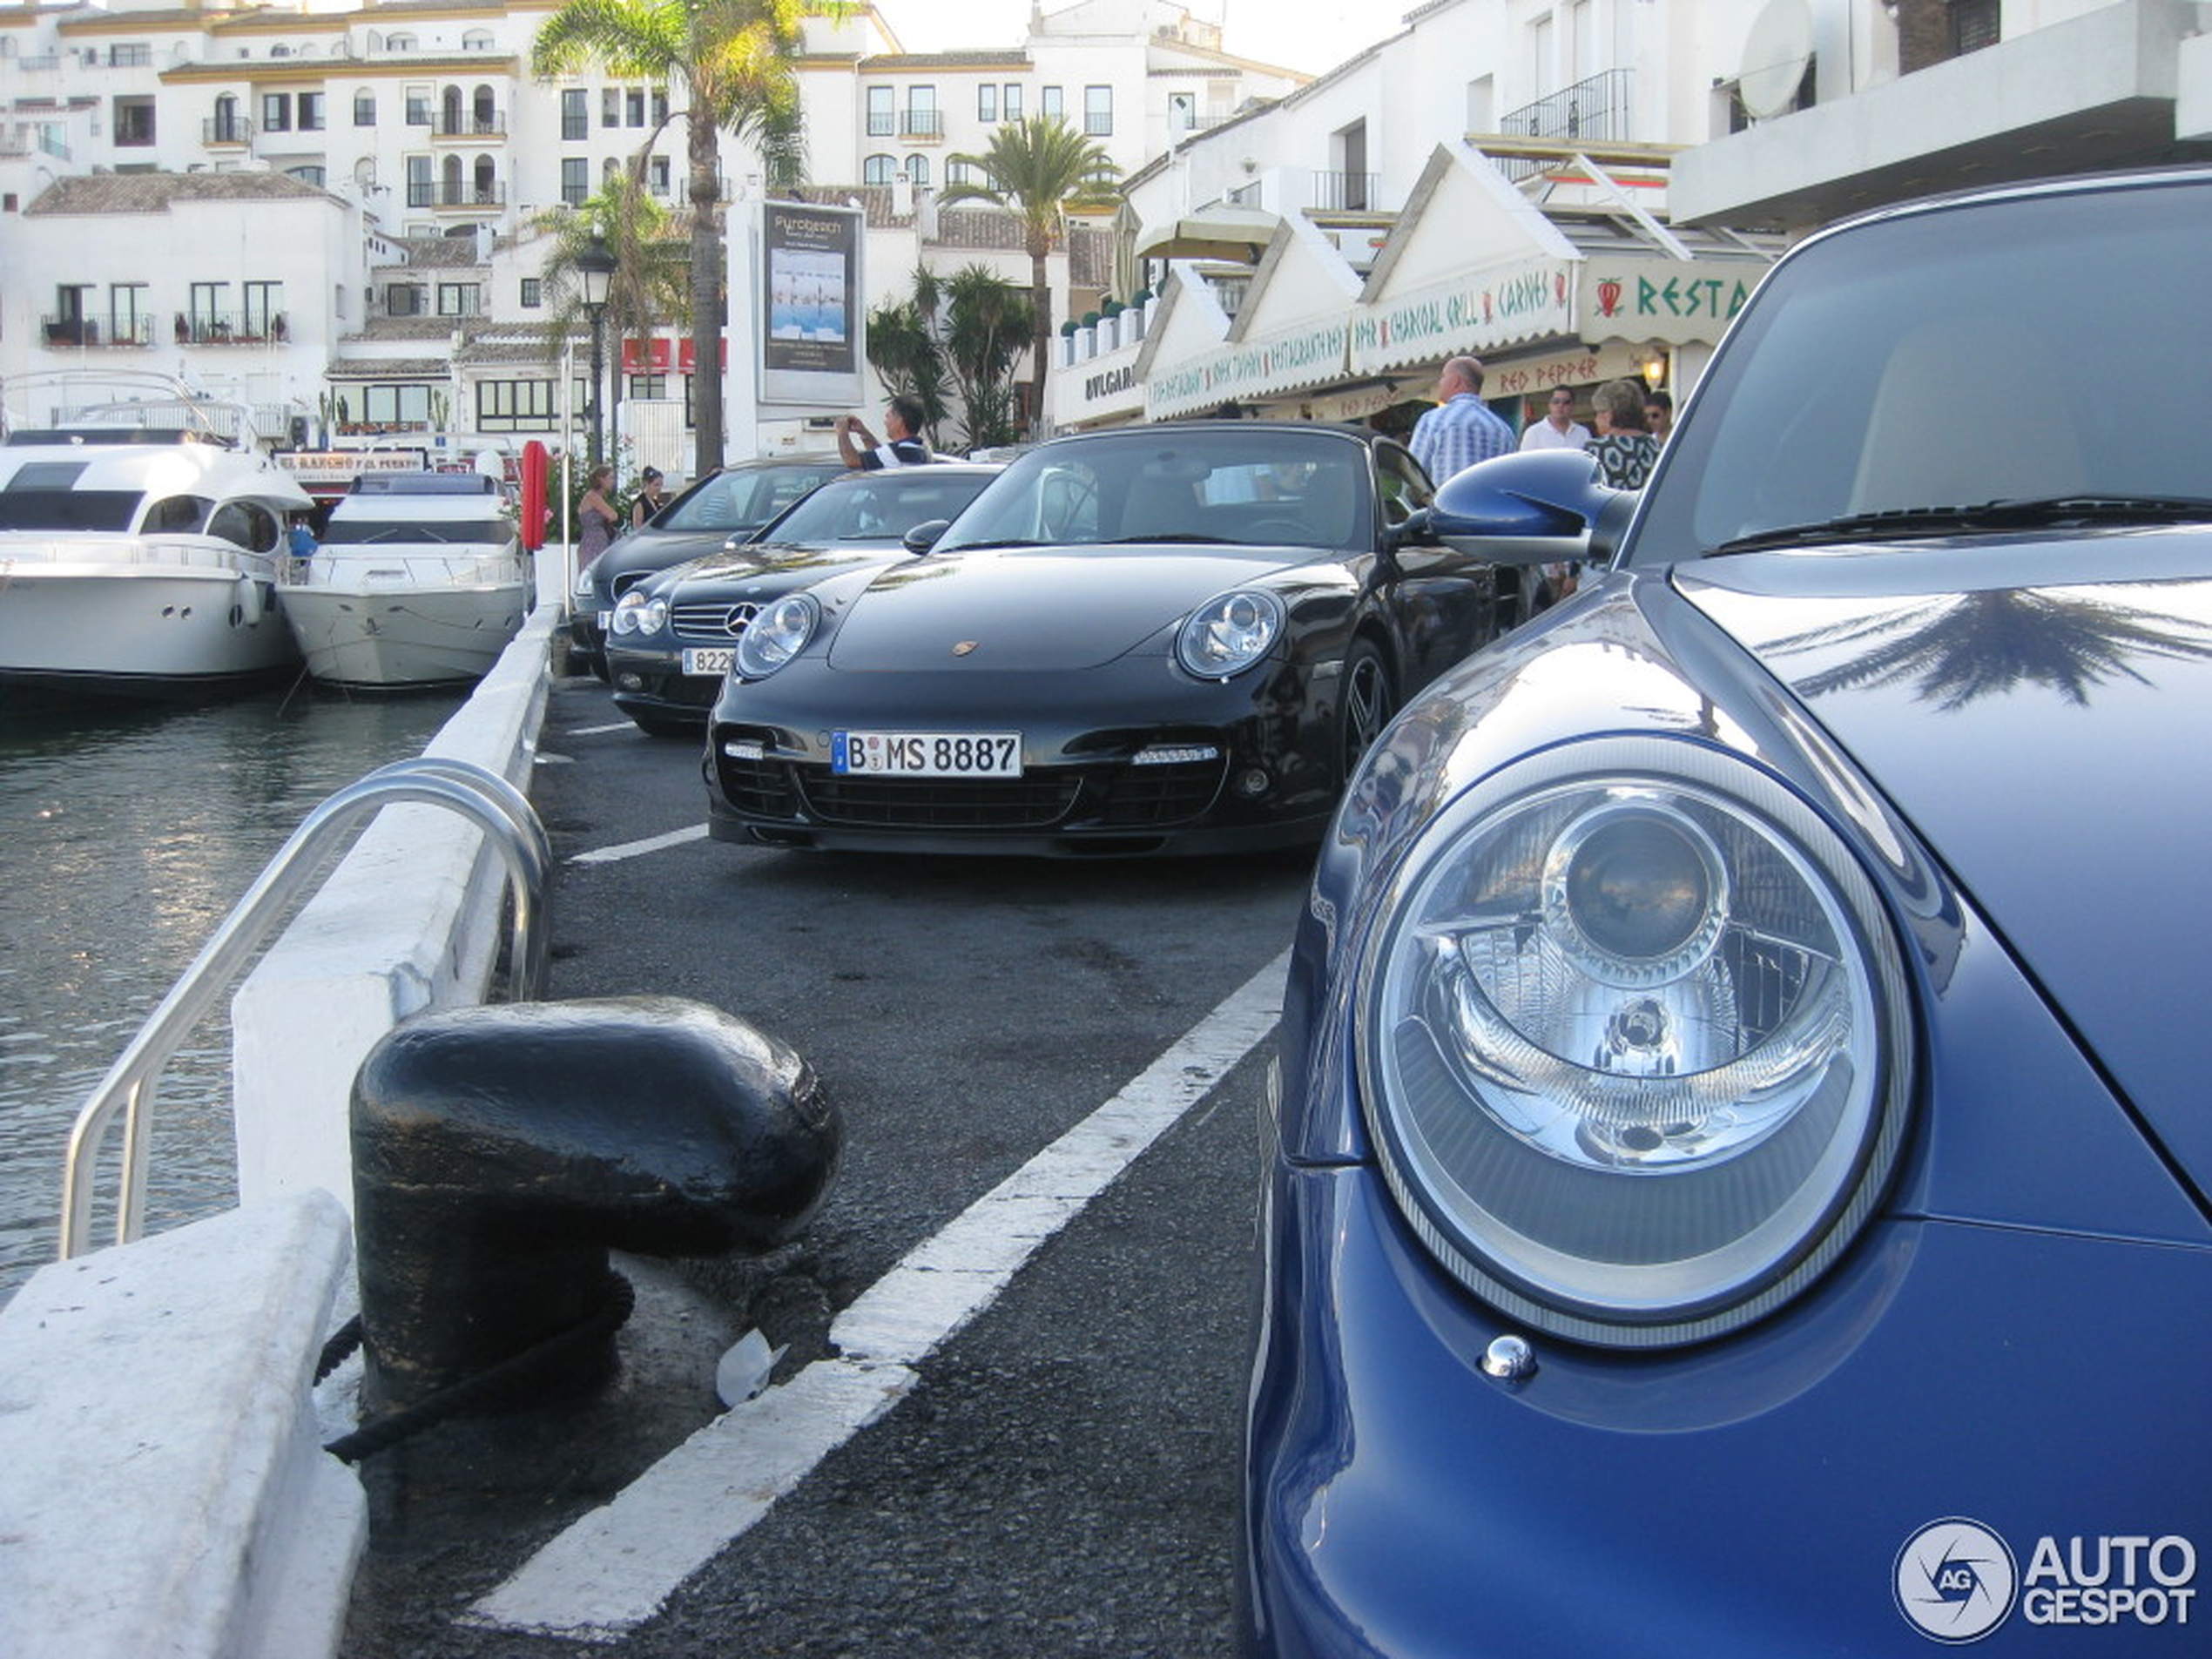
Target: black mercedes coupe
x,y
1158,638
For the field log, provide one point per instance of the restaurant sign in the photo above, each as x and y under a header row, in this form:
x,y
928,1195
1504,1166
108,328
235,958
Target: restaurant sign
x,y
1313,355
1679,302
1478,312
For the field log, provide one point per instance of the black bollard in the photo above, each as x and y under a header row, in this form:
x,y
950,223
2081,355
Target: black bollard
x,y
500,1152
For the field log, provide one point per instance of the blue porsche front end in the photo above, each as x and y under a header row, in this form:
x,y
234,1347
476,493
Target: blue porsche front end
x,y
1738,1179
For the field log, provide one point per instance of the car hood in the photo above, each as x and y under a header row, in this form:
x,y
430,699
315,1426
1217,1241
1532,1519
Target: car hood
x,y
1035,608
2033,710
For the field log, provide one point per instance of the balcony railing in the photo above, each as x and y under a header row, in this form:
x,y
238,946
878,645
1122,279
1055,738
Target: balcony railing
x,y
457,197
94,332
492,124
228,329
1343,192
922,126
1590,112
226,130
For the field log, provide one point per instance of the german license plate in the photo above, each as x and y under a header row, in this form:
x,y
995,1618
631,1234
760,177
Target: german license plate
x,y
926,754
708,659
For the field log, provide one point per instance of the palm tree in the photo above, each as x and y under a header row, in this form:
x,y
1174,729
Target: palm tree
x,y
651,278
1041,168
733,58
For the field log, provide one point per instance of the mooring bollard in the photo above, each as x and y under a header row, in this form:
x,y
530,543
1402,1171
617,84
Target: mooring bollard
x,y
500,1152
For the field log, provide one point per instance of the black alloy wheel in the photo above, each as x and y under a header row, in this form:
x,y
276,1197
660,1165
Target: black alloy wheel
x,y
1368,700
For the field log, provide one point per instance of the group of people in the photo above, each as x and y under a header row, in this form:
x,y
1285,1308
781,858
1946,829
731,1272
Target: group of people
x,y
597,515
1462,429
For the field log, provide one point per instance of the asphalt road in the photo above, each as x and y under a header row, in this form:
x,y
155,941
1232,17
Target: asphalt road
x,y
1060,1477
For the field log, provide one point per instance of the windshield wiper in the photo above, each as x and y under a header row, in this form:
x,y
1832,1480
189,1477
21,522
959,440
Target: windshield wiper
x,y
2011,515
1178,538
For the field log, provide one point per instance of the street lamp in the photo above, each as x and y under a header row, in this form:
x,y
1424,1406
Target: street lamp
x,y
595,269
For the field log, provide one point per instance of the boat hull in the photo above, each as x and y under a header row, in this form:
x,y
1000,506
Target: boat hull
x,y
139,630
369,637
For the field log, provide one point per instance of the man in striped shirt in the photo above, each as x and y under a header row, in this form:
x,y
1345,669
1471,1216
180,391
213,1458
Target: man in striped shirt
x,y
1462,429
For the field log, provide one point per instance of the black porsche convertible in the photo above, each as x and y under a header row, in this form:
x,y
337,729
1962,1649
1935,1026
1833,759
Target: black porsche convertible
x,y
1144,640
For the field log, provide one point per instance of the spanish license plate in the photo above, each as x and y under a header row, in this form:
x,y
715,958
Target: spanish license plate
x,y
926,754
708,659
604,618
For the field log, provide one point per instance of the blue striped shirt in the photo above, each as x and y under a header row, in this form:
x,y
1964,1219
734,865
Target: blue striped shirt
x,y
1453,436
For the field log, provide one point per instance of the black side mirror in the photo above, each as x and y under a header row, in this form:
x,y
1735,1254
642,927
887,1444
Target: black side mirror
x,y
923,536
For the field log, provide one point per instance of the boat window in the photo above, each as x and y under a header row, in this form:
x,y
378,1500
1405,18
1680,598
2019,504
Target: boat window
x,y
67,509
47,475
344,530
177,514
247,523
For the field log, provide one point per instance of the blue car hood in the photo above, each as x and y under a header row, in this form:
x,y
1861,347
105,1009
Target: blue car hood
x,y
1042,609
2036,712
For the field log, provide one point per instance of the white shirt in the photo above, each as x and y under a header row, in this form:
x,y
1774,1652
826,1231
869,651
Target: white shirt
x,y
1545,436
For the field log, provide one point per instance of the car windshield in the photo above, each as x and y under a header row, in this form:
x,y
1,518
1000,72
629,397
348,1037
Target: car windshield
x,y
880,507
1260,485
1955,371
740,498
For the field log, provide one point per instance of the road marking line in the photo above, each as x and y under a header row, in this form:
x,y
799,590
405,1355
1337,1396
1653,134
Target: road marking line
x,y
638,849
600,730
617,1566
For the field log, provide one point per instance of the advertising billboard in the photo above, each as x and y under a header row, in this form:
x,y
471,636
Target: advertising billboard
x,y
811,310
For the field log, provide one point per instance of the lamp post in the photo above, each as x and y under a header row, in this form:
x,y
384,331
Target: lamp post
x,y
595,269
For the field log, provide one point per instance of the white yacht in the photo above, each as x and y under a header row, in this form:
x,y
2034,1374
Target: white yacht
x,y
141,537
419,580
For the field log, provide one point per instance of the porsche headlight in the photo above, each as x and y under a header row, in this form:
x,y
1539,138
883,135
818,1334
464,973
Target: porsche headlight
x,y
1632,1042
777,635
636,614
1229,632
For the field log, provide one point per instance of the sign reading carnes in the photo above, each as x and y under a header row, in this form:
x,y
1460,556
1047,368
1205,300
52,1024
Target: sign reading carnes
x,y
1479,311
1678,303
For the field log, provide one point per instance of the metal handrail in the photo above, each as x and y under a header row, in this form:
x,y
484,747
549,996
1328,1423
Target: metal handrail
x,y
505,815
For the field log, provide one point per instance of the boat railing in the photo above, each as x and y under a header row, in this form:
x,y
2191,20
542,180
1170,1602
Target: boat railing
x,y
497,807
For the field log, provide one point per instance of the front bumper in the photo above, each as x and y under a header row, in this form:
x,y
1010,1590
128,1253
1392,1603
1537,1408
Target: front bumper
x,y
652,683
1267,777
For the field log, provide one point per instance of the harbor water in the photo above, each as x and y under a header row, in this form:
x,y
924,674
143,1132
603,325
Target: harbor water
x,y
126,835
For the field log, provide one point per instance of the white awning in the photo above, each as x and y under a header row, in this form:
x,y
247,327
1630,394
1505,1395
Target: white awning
x,y
1222,231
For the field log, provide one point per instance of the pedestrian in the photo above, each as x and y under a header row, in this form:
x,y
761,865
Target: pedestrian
x,y
651,497
1658,415
595,516
300,538
1462,429
1625,451
1559,430
901,445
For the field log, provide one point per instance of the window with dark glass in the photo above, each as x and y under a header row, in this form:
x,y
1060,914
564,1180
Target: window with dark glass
x,y
576,114
311,116
879,169
418,106
515,406
533,292
633,107
264,307
404,299
576,181
364,109
133,122
459,299
396,405
610,106
276,111
883,120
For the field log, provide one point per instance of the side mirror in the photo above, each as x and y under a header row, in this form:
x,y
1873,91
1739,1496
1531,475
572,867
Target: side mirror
x,y
1541,507
923,536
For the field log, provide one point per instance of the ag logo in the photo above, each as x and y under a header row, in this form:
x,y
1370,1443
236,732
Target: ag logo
x,y
1955,1580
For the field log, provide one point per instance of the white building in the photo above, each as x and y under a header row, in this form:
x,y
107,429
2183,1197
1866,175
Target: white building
x,y
429,149
1621,169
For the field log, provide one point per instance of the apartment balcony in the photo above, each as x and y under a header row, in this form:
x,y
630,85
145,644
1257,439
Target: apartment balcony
x,y
470,127
1593,112
457,199
93,333
1343,192
922,126
228,329
233,133
2100,89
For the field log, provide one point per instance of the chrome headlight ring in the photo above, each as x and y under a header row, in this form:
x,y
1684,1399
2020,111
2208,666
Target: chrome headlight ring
x,y
776,634
1634,1042
1229,632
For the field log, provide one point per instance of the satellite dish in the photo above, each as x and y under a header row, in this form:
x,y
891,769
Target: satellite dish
x,y
1775,55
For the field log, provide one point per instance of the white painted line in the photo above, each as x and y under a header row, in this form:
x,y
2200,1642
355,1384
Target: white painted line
x,y
616,1567
599,731
638,849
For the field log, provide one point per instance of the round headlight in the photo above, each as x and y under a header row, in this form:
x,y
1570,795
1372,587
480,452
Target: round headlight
x,y
636,613
777,635
581,587
1632,1042
1229,632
